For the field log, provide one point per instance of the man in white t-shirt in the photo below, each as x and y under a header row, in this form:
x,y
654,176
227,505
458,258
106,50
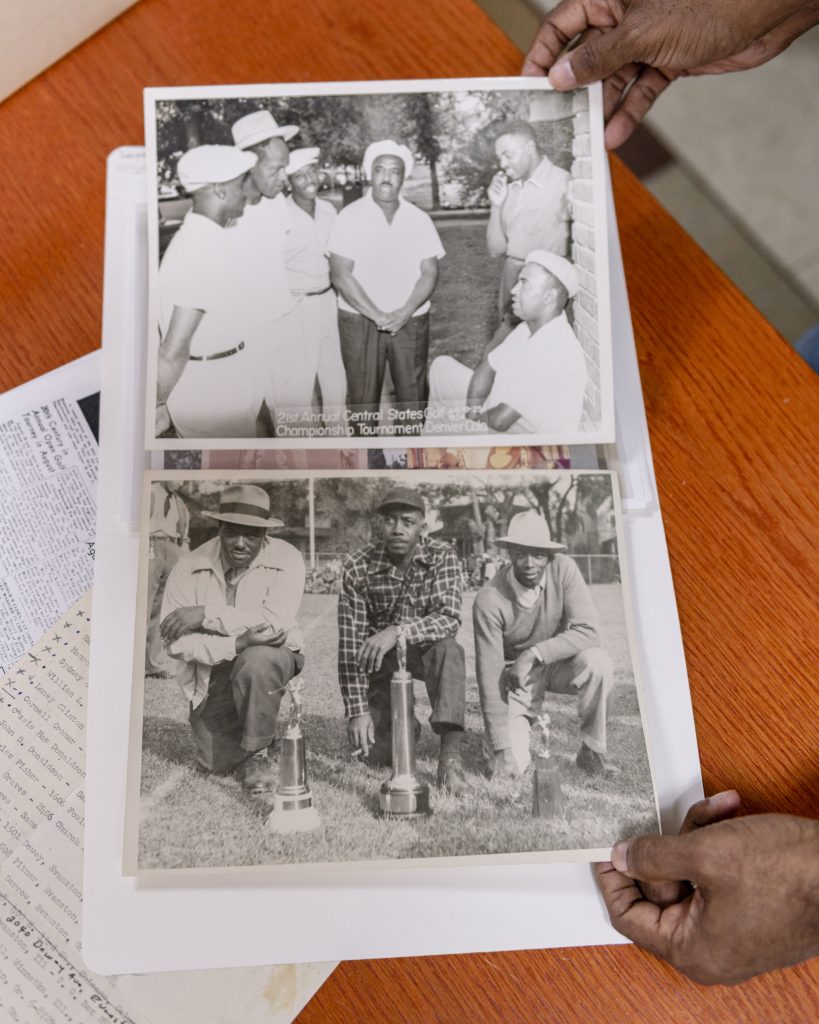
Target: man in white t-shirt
x,y
308,274
205,385
534,381
384,255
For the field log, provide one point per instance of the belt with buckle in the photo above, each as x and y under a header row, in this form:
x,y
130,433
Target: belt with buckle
x,y
321,291
218,355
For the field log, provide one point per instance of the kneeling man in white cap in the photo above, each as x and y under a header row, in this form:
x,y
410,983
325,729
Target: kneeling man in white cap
x,y
384,255
229,616
534,381
536,632
204,379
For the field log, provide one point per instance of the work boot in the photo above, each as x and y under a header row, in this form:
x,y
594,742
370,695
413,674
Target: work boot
x,y
592,763
452,777
257,775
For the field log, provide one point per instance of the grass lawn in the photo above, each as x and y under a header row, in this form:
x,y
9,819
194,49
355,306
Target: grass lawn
x,y
193,820
464,311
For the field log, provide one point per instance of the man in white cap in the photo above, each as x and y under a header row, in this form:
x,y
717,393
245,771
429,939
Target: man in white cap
x,y
536,632
384,255
229,615
276,339
308,272
534,381
528,209
204,380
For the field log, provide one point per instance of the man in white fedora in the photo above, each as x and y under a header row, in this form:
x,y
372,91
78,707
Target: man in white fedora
x,y
534,381
205,383
384,254
308,273
276,339
536,632
229,616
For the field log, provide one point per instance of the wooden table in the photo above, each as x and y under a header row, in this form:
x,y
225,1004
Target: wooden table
x,y
733,416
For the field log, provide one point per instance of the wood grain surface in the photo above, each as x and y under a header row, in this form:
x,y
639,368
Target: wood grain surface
x,y
732,411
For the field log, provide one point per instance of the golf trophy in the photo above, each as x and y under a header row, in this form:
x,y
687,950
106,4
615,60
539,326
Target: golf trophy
x,y
547,796
402,795
293,809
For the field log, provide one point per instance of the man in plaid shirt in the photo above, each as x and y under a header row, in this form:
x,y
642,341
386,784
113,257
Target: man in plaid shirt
x,y
411,585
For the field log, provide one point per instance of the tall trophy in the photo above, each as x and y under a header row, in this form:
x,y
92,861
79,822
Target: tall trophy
x,y
402,796
293,809
547,796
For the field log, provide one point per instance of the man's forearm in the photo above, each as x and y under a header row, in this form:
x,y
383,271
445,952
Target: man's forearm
x,y
495,235
352,293
175,349
422,290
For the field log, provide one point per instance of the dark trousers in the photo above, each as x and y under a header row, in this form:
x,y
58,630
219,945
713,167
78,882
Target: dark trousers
x,y
238,715
365,351
442,667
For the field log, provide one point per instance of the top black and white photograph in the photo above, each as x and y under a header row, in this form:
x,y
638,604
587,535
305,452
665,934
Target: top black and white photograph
x,y
377,264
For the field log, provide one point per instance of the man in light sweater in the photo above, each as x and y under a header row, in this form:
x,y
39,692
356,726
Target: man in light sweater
x,y
535,631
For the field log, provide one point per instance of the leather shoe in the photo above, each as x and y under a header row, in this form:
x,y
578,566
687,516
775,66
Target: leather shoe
x,y
257,774
452,778
592,763
501,764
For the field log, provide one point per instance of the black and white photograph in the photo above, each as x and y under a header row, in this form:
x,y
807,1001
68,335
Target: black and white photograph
x,y
377,264
383,667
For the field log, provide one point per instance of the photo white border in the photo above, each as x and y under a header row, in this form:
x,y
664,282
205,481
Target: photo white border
x,y
606,431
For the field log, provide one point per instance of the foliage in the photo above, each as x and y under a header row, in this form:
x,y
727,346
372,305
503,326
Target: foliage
x,y
450,133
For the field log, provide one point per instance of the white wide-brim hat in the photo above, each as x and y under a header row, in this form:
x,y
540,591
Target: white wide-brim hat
x,y
245,505
557,265
386,147
212,165
260,126
530,530
301,158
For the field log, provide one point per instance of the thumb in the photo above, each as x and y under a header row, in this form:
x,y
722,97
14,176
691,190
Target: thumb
x,y
658,858
597,58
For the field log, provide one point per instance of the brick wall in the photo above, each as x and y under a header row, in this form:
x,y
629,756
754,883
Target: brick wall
x,y
583,308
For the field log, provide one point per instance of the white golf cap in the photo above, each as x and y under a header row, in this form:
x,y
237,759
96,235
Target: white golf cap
x,y
211,165
300,158
260,126
562,269
530,530
386,147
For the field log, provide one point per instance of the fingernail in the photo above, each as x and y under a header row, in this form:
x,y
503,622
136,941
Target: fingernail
x,y
562,76
619,856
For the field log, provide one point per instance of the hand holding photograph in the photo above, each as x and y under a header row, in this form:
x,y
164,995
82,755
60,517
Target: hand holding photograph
x,y
383,667
381,263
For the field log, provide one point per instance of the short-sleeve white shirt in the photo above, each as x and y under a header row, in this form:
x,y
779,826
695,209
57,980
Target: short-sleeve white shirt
x,y
386,255
305,252
257,242
542,376
197,273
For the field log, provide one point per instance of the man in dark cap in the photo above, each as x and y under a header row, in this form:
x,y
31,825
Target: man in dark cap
x,y
405,584
229,617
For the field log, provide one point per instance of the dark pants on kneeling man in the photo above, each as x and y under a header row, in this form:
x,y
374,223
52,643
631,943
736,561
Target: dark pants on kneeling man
x,y
442,668
239,714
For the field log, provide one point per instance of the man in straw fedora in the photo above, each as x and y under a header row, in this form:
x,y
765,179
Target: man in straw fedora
x,y
229,618
534,381
384,254
535,632
408,584
259,239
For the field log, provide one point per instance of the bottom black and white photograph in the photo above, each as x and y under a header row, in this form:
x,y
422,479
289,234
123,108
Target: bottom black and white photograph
x,y
382,668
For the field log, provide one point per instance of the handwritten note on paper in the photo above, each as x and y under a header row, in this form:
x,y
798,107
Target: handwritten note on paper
x,y
42,975
48,480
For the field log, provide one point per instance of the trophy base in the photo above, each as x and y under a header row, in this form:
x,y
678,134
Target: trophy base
x,y
406,802
286,820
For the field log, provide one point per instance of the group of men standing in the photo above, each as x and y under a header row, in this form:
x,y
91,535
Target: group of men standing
x,y
229,618
279,312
